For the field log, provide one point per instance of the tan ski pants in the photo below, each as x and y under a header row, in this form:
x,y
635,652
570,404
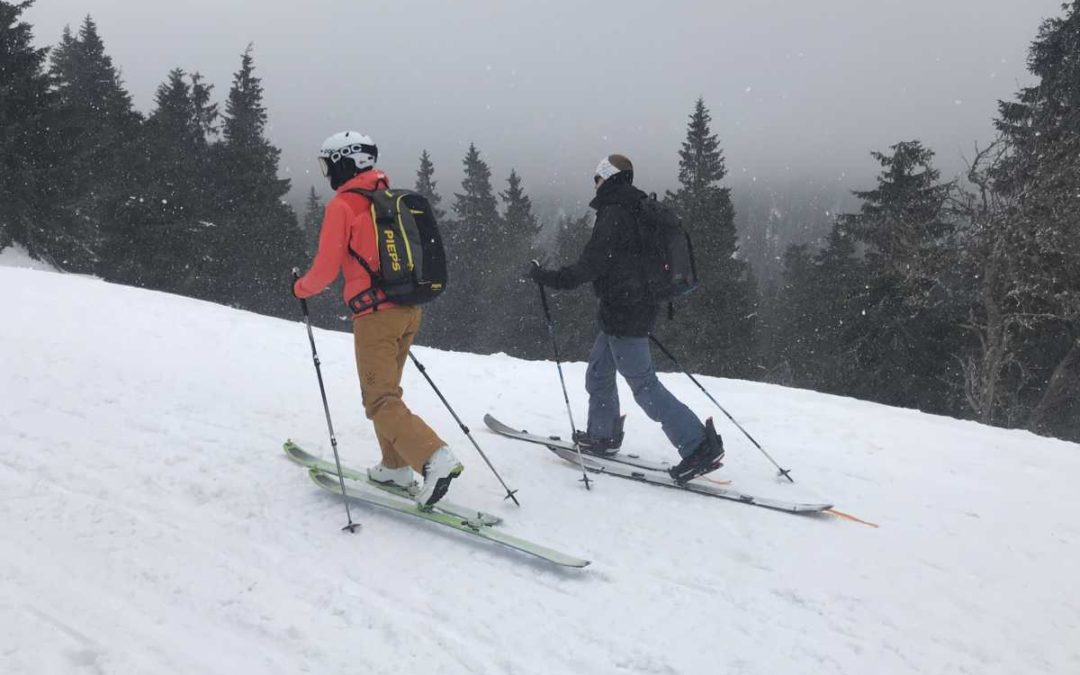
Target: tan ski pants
x,y
382,341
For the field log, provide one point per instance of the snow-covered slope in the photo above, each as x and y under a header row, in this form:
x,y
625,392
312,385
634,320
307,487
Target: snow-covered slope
x,y
149,522
17,256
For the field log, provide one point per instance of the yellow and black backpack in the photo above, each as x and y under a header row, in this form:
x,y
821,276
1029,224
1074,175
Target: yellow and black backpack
x,y
412,261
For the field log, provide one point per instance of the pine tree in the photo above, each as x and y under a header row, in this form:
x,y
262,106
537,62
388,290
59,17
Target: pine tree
x,y
94,115
903,220
905,336
440,326
701,162
475,205
425,185
826,303
791,322
259,237
464,321
715,329
245,115
88,85
25,161
1040,172
517,330
163,230
205,116
183,117
873,313
837,298
313,214
520,222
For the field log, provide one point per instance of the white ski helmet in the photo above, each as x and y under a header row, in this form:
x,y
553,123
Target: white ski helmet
x,y
347,145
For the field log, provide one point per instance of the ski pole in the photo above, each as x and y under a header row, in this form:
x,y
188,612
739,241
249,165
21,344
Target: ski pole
x,y
566,397
351,527
786,473
423,371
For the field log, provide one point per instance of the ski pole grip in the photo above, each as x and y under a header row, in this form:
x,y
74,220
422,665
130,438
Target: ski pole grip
x,y
303,302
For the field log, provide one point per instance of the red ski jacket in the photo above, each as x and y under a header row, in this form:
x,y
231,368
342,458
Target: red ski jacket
x,y
346,222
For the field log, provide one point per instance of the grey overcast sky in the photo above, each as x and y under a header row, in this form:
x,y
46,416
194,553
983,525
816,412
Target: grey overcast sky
x,y
796,87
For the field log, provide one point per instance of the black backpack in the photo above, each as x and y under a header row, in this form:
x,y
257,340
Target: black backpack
x,y
668,269
412,261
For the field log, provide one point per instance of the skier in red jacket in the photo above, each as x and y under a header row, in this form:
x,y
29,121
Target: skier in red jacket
x,y
382,334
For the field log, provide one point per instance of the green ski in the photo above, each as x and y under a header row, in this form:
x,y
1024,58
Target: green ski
x,y
304,458
362,493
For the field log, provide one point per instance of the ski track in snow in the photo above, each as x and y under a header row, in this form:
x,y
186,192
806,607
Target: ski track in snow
x,y
151,523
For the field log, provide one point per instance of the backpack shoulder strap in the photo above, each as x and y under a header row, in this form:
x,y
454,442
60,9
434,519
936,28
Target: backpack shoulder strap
x,y
383,199
372,274
370,194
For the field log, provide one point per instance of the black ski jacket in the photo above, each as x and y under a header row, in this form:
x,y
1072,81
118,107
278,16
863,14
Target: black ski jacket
x,y
612,261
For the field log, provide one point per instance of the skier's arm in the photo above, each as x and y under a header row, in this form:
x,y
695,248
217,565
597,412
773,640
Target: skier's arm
x,y
333,245
594,261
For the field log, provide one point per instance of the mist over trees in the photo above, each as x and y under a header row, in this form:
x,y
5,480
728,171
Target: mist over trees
x,y
955,295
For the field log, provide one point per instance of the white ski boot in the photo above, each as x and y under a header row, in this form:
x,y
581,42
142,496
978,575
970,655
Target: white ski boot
x,y
441,468
402,477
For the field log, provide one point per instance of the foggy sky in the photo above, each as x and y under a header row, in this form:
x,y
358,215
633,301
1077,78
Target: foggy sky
x,y
795,87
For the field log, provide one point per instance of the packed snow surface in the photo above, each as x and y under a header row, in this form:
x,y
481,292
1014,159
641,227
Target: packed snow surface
x,y
151,523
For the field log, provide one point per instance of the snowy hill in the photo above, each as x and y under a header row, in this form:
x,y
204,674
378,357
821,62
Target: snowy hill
x,y
151,524
17,256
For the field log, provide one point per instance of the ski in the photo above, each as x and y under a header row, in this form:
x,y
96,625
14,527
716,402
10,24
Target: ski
x,y
361,493
597,465
629,467
306,459
556,442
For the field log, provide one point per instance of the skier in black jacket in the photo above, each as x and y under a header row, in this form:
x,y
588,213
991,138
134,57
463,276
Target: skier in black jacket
x,y
612,261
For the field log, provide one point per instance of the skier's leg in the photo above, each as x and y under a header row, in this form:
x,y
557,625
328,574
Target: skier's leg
x,y
603,392
404,343
634,362
439,465
375,348
382,340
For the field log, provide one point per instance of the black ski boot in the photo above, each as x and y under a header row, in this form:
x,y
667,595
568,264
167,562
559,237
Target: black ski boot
x,y
603,447
706,457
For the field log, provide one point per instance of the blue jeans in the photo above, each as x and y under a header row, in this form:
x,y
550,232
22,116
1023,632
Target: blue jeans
x,y
630,356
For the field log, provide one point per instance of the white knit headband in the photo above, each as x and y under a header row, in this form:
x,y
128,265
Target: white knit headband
x,y
605,169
